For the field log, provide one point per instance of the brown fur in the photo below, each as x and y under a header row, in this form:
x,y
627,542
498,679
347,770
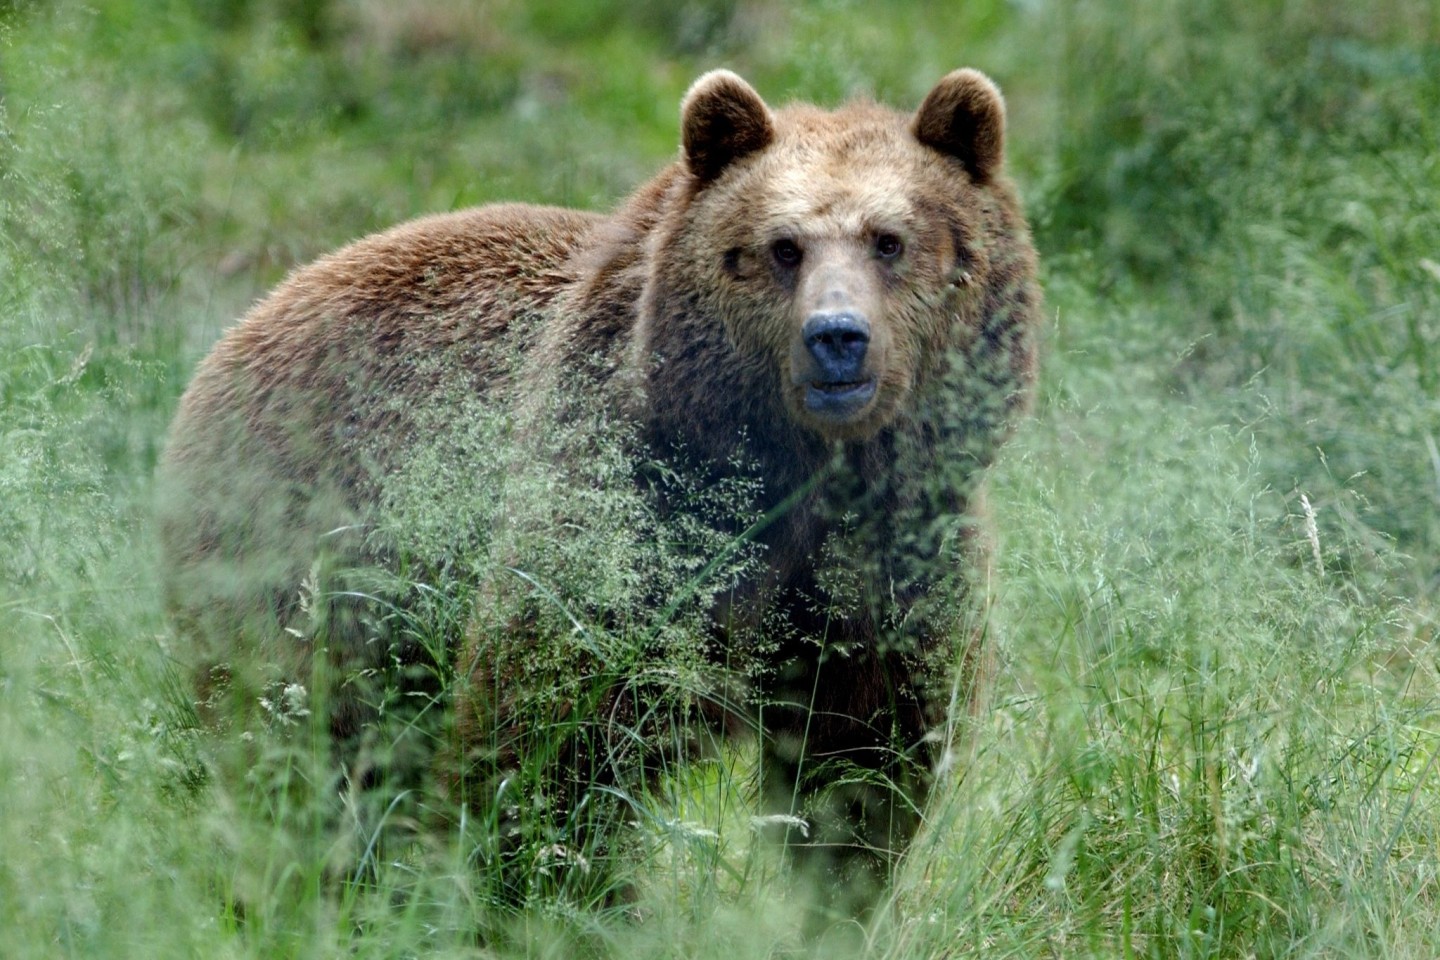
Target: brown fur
x,y
681,309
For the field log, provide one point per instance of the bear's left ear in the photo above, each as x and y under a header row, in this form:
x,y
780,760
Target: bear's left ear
x,y
722,118
964,116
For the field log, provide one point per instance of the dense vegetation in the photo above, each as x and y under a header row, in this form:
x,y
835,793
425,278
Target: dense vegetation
x,y
1216,729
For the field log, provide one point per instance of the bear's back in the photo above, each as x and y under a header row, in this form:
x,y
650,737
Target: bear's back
x,y
285,422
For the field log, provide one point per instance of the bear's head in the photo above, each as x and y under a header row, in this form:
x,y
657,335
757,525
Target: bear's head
x,y
843,253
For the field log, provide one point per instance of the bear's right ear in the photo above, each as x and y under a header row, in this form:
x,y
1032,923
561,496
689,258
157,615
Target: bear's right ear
x,y
964,116
722,118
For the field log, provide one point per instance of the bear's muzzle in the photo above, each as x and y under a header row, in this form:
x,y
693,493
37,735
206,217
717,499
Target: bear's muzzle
x,y
838,385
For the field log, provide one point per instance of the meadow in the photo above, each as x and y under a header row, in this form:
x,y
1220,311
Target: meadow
x,y
1216,730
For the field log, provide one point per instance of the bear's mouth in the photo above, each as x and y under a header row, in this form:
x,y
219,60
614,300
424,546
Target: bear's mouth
x,y
838,399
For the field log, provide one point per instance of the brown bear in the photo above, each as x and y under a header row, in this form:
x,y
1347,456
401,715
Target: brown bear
x,y
842,304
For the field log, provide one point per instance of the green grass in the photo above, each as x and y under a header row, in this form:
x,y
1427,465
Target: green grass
x,y
1216,728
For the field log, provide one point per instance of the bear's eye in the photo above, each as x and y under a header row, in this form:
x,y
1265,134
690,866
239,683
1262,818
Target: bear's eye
x,y
888,246
786,252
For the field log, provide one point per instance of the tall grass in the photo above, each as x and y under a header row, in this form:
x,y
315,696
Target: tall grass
x,y
1215,728
1275,174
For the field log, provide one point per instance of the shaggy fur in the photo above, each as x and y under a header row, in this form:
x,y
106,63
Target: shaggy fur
x,y
692,312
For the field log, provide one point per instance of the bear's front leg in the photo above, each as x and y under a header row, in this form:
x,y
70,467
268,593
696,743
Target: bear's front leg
x,y
851,738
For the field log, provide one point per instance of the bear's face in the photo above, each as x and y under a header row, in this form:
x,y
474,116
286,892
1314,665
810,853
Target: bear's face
x,y
840,249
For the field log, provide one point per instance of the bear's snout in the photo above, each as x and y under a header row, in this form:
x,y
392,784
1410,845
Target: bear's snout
x,y
838,343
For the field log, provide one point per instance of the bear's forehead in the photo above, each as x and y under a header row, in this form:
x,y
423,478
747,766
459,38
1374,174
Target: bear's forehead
x,y
846,201
845,172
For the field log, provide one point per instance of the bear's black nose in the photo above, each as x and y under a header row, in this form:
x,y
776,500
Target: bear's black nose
x,y
838,342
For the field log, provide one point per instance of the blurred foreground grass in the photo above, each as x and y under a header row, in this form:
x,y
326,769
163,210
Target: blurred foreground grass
x,y
1216,730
